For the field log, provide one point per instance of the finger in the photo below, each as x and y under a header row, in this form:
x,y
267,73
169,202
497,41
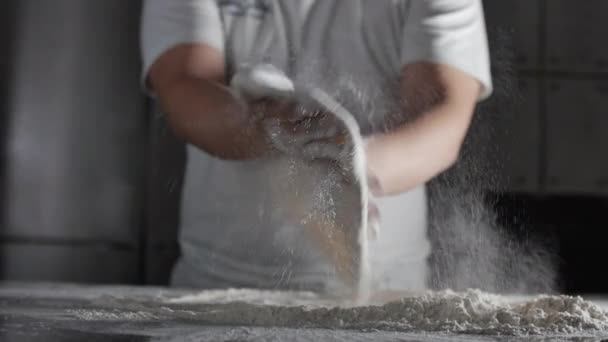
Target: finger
x,y
306,110
324,150
262,80
282,136
373,221
270,107
373,183
277,136
306,135
320,128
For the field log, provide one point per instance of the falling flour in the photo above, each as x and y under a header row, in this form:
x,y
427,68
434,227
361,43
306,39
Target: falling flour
x,y
470,312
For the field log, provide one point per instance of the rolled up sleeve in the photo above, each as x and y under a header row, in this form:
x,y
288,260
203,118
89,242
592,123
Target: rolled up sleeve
x,y
450,32
168,23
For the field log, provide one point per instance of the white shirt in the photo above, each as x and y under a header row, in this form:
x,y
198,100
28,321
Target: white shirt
x,y
354,50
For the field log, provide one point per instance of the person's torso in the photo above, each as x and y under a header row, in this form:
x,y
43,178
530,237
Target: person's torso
x,y
352,50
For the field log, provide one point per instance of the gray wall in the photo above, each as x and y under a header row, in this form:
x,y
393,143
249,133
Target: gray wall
x,y
75,143
556,141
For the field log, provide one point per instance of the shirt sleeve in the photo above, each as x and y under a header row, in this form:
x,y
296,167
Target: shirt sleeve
x,y
449,32
167,23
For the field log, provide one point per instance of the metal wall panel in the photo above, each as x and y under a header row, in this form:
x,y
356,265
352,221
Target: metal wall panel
x,y
165,167
88,264
520,18
77,123
518,139
577,118
166,171
160,261
7,39
576,35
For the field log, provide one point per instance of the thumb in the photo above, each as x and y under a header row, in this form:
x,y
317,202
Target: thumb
x,y
373,220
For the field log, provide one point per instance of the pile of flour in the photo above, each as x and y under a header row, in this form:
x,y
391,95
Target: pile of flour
x,y
472,312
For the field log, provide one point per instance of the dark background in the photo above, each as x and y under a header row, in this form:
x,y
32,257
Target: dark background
x,y
90,174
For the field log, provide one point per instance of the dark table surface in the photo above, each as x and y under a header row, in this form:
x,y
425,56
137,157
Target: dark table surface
x,y
62,312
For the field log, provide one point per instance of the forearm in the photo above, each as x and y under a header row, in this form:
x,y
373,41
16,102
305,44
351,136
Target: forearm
x,y
206,114
414,153
441,101
189,83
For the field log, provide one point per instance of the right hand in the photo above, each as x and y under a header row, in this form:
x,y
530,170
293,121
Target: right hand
x,y
303,129
317,135
305,132
289,125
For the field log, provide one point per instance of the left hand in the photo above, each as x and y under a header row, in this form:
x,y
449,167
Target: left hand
x,y
307,132
318,135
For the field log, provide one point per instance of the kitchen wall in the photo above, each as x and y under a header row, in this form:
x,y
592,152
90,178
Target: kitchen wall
x,y
75,142
555,143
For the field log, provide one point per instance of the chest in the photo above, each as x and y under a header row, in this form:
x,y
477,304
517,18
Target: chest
x,y
355,35
351,48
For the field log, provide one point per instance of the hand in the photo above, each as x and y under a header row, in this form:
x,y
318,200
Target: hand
x,y
317,138
295,127
333,140
263,81
308,128
305,132
290,126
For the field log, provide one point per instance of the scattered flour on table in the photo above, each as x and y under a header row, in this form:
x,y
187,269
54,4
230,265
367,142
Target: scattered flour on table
x,y
473,312
110,315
